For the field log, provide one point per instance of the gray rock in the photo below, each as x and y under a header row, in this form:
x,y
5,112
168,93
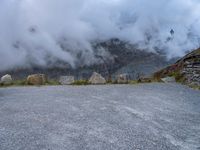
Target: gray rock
x,y
122,79
6,79
169,80
66,80
96,78
196,75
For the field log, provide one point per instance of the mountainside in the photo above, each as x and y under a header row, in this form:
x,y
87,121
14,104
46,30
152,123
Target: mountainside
x,y
186,70
121,57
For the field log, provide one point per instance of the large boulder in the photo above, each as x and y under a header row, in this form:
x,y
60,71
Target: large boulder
x,y
66,80
6,80
36,79
122,79
96,78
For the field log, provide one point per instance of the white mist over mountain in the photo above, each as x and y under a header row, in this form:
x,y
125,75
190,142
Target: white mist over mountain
x,y
40,32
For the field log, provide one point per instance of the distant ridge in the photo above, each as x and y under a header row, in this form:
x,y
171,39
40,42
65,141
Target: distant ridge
x,y
122,58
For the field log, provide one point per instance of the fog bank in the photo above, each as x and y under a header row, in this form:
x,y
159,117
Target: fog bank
x,y
43,32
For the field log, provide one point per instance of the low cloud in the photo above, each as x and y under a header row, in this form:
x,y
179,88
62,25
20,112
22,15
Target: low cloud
x,y
42,33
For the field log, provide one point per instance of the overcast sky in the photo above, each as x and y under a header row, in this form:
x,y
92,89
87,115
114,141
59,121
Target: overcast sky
x,y
31,31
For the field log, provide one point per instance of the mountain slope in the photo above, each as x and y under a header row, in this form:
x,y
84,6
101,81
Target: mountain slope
x,y
122,57
186,70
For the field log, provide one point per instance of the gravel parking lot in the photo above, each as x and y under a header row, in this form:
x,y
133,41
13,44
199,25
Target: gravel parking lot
x,y
111,117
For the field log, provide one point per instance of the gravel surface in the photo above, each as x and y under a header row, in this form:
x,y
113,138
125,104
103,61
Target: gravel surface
x,y
111,117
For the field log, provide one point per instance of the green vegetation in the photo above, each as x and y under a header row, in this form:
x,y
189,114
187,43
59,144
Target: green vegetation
x,y
24,83
133,82
1,85
52,82
15,83
81,82
195,87
77,82
110,82
19,83
178,76
169,73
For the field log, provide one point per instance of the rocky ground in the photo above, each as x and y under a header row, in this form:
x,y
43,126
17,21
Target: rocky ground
x,y
186,70
152,116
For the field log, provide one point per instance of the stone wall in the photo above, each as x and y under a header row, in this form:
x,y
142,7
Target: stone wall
x,y
191,70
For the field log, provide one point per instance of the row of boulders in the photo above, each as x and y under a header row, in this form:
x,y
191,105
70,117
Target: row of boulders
x,y
41,79
36,79
96,78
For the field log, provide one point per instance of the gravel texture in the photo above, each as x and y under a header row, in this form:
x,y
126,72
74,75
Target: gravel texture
x,y
110,117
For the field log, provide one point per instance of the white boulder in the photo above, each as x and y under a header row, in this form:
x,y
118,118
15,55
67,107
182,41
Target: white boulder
x,y
6,79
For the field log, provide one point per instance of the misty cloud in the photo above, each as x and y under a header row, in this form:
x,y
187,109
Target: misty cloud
x,y
42,32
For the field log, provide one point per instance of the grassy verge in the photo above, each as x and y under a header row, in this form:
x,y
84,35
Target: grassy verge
x,y
86,82
24,83
133,82
19,83
81,82
3,86
52,83
15,83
